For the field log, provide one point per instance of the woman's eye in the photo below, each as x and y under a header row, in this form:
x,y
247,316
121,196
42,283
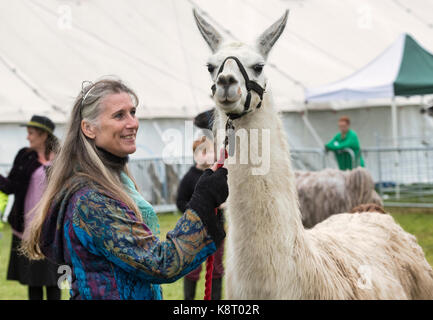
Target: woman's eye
x,y
210,68
133,112
119,116
258,68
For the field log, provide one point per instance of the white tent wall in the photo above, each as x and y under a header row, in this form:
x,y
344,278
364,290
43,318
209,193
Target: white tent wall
x,y
367,122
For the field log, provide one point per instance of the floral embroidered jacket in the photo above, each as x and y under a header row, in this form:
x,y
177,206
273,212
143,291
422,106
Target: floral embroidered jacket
x,y
111,254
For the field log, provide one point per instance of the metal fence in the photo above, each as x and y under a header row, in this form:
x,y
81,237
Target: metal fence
x,y
403,175
159,179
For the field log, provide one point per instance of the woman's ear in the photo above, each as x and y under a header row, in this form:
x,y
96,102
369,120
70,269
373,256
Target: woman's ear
x,y
88,129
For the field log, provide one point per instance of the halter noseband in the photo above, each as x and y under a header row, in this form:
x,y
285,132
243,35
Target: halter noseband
x,y
250,85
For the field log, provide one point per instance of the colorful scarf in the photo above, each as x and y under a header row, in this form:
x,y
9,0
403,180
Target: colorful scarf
x,y
148,213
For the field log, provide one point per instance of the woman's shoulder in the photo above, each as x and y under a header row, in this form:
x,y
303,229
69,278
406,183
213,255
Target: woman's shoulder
x,y
88,197
88,193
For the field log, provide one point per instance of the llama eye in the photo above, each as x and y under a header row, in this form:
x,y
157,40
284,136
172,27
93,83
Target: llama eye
x,y
258,68
210,68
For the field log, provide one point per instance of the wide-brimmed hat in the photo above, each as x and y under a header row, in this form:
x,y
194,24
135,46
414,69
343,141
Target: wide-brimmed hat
x,y
41,122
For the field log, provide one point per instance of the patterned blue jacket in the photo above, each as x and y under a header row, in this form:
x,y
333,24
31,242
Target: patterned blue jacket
x,y
111,254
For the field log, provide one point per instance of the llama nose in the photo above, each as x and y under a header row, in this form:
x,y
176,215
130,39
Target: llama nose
x,y
226,80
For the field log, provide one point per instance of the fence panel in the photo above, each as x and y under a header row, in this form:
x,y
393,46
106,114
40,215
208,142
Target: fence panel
x,y
158,180
402,174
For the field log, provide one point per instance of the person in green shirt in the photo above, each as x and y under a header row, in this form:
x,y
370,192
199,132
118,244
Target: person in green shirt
x,y
342,143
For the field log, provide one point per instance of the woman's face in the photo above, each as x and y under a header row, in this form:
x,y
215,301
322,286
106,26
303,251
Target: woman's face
x,y
118,125
36,138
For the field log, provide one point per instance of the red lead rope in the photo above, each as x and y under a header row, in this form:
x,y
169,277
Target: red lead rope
x,y
210,259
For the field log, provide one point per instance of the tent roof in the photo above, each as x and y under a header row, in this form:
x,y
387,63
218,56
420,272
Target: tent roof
x,y
403,69
416,70
50,46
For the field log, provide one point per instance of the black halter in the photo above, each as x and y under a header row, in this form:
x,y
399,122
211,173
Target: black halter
x,y
250,85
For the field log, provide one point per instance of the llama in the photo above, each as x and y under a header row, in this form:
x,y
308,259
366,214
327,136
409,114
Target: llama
x,y
368,207
330,191
270,255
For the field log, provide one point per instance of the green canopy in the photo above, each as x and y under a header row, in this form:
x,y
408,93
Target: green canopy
x,y
415,76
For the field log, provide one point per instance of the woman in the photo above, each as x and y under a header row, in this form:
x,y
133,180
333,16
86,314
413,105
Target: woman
x,y
27,180
92,218
203,151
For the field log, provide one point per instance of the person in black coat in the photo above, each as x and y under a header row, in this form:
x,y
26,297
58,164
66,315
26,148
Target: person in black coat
x,y
204,158
43,145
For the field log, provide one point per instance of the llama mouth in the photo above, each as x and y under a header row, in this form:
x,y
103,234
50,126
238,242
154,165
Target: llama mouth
x,y
226,102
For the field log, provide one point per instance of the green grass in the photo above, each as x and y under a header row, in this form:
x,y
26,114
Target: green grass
x,y
174,291
416,221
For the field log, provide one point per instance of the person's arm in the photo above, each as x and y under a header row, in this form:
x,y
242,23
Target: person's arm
x,y
351,141
106,227
330,145
11,183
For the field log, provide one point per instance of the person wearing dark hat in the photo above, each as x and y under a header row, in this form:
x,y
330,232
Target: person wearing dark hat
x,y
26,180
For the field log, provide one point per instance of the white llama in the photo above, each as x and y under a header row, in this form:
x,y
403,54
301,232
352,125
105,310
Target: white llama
x,y
270,254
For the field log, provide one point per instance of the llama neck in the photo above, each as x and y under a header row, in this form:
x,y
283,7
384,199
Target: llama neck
x,y
263,197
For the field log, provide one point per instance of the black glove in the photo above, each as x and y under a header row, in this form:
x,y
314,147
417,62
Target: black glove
x,y
210,192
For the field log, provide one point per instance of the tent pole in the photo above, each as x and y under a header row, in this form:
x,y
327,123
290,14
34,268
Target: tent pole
x,y
315,136
312,130
395,143
394,122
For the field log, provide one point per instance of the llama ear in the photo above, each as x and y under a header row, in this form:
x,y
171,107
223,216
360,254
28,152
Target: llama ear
x,y
268,38
212,37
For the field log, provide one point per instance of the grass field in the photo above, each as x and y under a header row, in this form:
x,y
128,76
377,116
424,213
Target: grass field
x,y
416,221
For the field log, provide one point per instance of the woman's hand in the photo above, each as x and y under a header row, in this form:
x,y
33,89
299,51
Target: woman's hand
x,y
210,192
212,187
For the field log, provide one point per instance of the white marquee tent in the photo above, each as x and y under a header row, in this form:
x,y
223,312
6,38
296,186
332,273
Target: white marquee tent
x,y
48,47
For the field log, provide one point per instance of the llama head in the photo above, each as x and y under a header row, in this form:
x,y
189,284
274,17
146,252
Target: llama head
x,y
230,88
